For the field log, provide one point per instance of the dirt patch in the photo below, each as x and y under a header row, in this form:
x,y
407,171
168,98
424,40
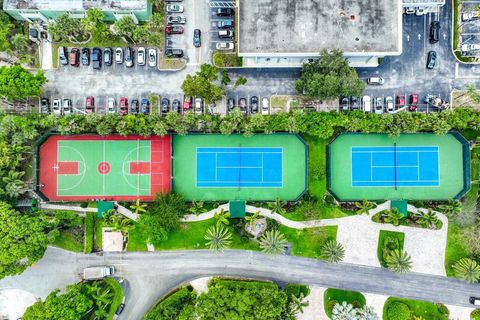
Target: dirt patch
x,y
461,98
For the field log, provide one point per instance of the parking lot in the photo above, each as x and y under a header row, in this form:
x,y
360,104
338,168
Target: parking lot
x,y
214,19
469,29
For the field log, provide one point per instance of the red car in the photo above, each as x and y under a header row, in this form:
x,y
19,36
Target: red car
x,y
90,104
413,102
123,106
173,29
400,101
187,103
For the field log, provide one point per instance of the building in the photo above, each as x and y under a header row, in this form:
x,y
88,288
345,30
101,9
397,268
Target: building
x,y
46,10
420,7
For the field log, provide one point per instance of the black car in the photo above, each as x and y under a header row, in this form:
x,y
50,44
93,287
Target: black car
x,y
230,104
254,104
165,105
174,53
96,58
45,105
134,106
225,12
434,31
354,105
344,103
197,41
176,105
128,57
431,59
85,56
108,56
145,106
120,309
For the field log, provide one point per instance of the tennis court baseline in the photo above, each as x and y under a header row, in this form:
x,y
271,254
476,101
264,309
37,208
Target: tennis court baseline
x,y
239,167
395,166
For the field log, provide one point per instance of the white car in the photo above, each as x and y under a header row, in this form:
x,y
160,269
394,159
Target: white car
x,y
141,56
265,106
198,105
111,105
119,55
67,106
225,46
57,107
389,104
152,57
375,81
367,104
174,8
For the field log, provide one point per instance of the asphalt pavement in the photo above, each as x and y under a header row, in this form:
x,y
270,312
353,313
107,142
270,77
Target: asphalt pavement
x,y
150,275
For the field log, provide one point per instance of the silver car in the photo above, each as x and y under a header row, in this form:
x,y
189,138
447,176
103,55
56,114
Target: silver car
x,y
119,55
111,105
141,56
378,105
152,57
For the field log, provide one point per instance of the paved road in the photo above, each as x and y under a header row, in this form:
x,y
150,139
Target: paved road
x,y
151,275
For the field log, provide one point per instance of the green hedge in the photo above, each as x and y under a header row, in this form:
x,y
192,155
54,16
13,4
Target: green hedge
x,y
89,231
174,305
394,309
398,311
296,289
333,296
387,242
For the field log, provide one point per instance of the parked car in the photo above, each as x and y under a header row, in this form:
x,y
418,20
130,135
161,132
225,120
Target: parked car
x,y
174,53
366,103
165,105
354,105
225,34
225,12
129,57
111,105
224,46
187,102
86,56
57,107
389,104
378,105
265,106
344,103
198,106
174,30
67,106
225,24
375,81
62,55
123,106
400,101
119,55
176,106
134,106
475,301
141,56
122,305
434,31
253,104
145,106
174,8
176,20
90,104
413,101
107,56
472,15
197,41
96,58
74,57
230,104
242,103
431,59
152,57
45,105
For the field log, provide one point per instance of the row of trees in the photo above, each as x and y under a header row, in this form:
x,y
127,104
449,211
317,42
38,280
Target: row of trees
x,y
13,41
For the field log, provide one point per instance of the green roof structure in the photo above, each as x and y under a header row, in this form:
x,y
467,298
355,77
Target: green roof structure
x,y
104,206
237,208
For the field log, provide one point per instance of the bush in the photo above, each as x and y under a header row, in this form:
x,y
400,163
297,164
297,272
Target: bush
x,y
330,306
443,309
89,230
475,315
296,289
398,311
174,306
356,304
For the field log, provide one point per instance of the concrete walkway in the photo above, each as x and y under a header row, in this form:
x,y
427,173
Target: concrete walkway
x,y
127,213
46,55
51,206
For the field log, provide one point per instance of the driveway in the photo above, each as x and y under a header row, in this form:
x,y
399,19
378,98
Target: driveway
x,y
152,274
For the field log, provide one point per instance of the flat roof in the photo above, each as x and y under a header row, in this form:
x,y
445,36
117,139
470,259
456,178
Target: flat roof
x,y
74,5
299,27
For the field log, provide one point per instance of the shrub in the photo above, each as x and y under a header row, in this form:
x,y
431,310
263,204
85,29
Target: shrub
x,y
356,304
89,230
296,289
443,309
398,311
475,315
174,305
330,305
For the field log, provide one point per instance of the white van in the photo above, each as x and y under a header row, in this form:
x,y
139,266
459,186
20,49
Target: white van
x,y
367,104
375,81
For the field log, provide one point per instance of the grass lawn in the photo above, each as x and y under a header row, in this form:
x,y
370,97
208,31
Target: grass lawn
x,y
425,309
309,242
400,236
117,299
352,297
470,200
98,233
71,240
455,247
135,240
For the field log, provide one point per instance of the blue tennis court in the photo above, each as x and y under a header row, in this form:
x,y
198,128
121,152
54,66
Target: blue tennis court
x,y
392,166
239,167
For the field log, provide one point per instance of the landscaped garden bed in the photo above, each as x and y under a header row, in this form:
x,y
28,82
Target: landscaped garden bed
x,y
406,309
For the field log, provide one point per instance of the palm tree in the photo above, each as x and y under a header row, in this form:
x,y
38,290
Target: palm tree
x,y
344,311
108,214
451,207
218,238
364,207
399,261
14,185
251,219
394,217
122,224
222,217
428,219
333,251
367,313
197,207
297,304
277,206
273,242
138,208
467,269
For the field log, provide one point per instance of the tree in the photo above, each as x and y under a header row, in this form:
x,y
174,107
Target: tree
x,y
138,207
333,251
14,185
65,27
428,219
225,77
344,311
297,304
473,93
273,242
197,207
394,217
329,77
467,269
202,84
218,238
364,207
239,82
17,83
20,42
222,217
277,206
399,261
251,219
125,27
6,27
94,24
451,208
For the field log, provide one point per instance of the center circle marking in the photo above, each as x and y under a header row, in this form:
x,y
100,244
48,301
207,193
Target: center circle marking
x,y
103,167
